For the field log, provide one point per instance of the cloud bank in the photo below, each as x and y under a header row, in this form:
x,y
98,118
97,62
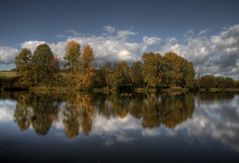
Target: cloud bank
x,y
216,54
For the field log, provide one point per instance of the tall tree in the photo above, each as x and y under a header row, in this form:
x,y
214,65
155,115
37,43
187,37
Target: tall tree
x,y
46,65
24,66
188,80
152,69
87,73
106,69
120,77
175,63
72,55
136,74
87,57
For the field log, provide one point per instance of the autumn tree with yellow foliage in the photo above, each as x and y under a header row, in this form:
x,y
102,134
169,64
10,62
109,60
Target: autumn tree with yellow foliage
x,y
154,71
72,55
81,70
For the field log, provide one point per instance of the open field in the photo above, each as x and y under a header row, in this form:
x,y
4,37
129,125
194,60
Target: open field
x,y
8,74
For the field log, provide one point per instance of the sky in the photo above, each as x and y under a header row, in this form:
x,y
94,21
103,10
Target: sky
x,y
204,32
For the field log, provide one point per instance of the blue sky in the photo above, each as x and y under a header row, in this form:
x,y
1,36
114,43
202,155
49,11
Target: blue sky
x,y
155,25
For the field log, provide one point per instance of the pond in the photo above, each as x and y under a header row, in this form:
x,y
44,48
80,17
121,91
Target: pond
x,y
80,127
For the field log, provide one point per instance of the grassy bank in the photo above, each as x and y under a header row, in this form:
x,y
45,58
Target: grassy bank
x,y
9,82
8,74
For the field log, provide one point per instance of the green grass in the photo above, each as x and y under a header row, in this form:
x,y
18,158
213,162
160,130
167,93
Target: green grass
x,y
8,74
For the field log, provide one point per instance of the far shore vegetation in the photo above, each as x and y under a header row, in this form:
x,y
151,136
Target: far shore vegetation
x,y
42,71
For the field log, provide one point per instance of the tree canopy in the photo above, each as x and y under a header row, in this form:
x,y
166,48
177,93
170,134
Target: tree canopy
x,y
153,71
24,66
45,65
39,68
72,55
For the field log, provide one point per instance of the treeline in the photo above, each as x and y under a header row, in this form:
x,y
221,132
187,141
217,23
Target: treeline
x,y
42,67
154,71
79,111
210,81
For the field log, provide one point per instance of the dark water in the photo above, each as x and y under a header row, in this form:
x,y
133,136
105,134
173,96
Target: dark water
x,y
127,128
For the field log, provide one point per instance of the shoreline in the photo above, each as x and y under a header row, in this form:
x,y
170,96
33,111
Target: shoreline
x,y
105,90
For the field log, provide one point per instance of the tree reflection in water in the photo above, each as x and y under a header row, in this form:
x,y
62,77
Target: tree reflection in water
x,y
37,111
80,110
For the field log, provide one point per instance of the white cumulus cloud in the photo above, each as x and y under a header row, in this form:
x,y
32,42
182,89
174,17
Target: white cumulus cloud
x,y
7,54
151,40
32,44
216,54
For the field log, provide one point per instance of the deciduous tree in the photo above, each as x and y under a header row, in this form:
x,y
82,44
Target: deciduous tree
x,y
120,77
136,74
72,55
45,66
87,57
152,69
24,66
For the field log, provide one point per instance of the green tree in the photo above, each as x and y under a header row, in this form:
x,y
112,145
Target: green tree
x,y
188,80
100,78
45,66
72,55
229,83
236,84
178,71
210,81
106,70
152,69
24,66
220,82
207,81
136,74
120,78
174,71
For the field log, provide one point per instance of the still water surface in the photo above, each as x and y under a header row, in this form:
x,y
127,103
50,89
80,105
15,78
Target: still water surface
x,y
119,128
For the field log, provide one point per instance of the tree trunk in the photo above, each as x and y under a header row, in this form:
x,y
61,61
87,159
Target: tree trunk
x,y
147,85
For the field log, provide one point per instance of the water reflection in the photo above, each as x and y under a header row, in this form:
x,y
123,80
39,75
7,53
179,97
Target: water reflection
x,y
77,112
196,117
36,111
217,118
188,127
